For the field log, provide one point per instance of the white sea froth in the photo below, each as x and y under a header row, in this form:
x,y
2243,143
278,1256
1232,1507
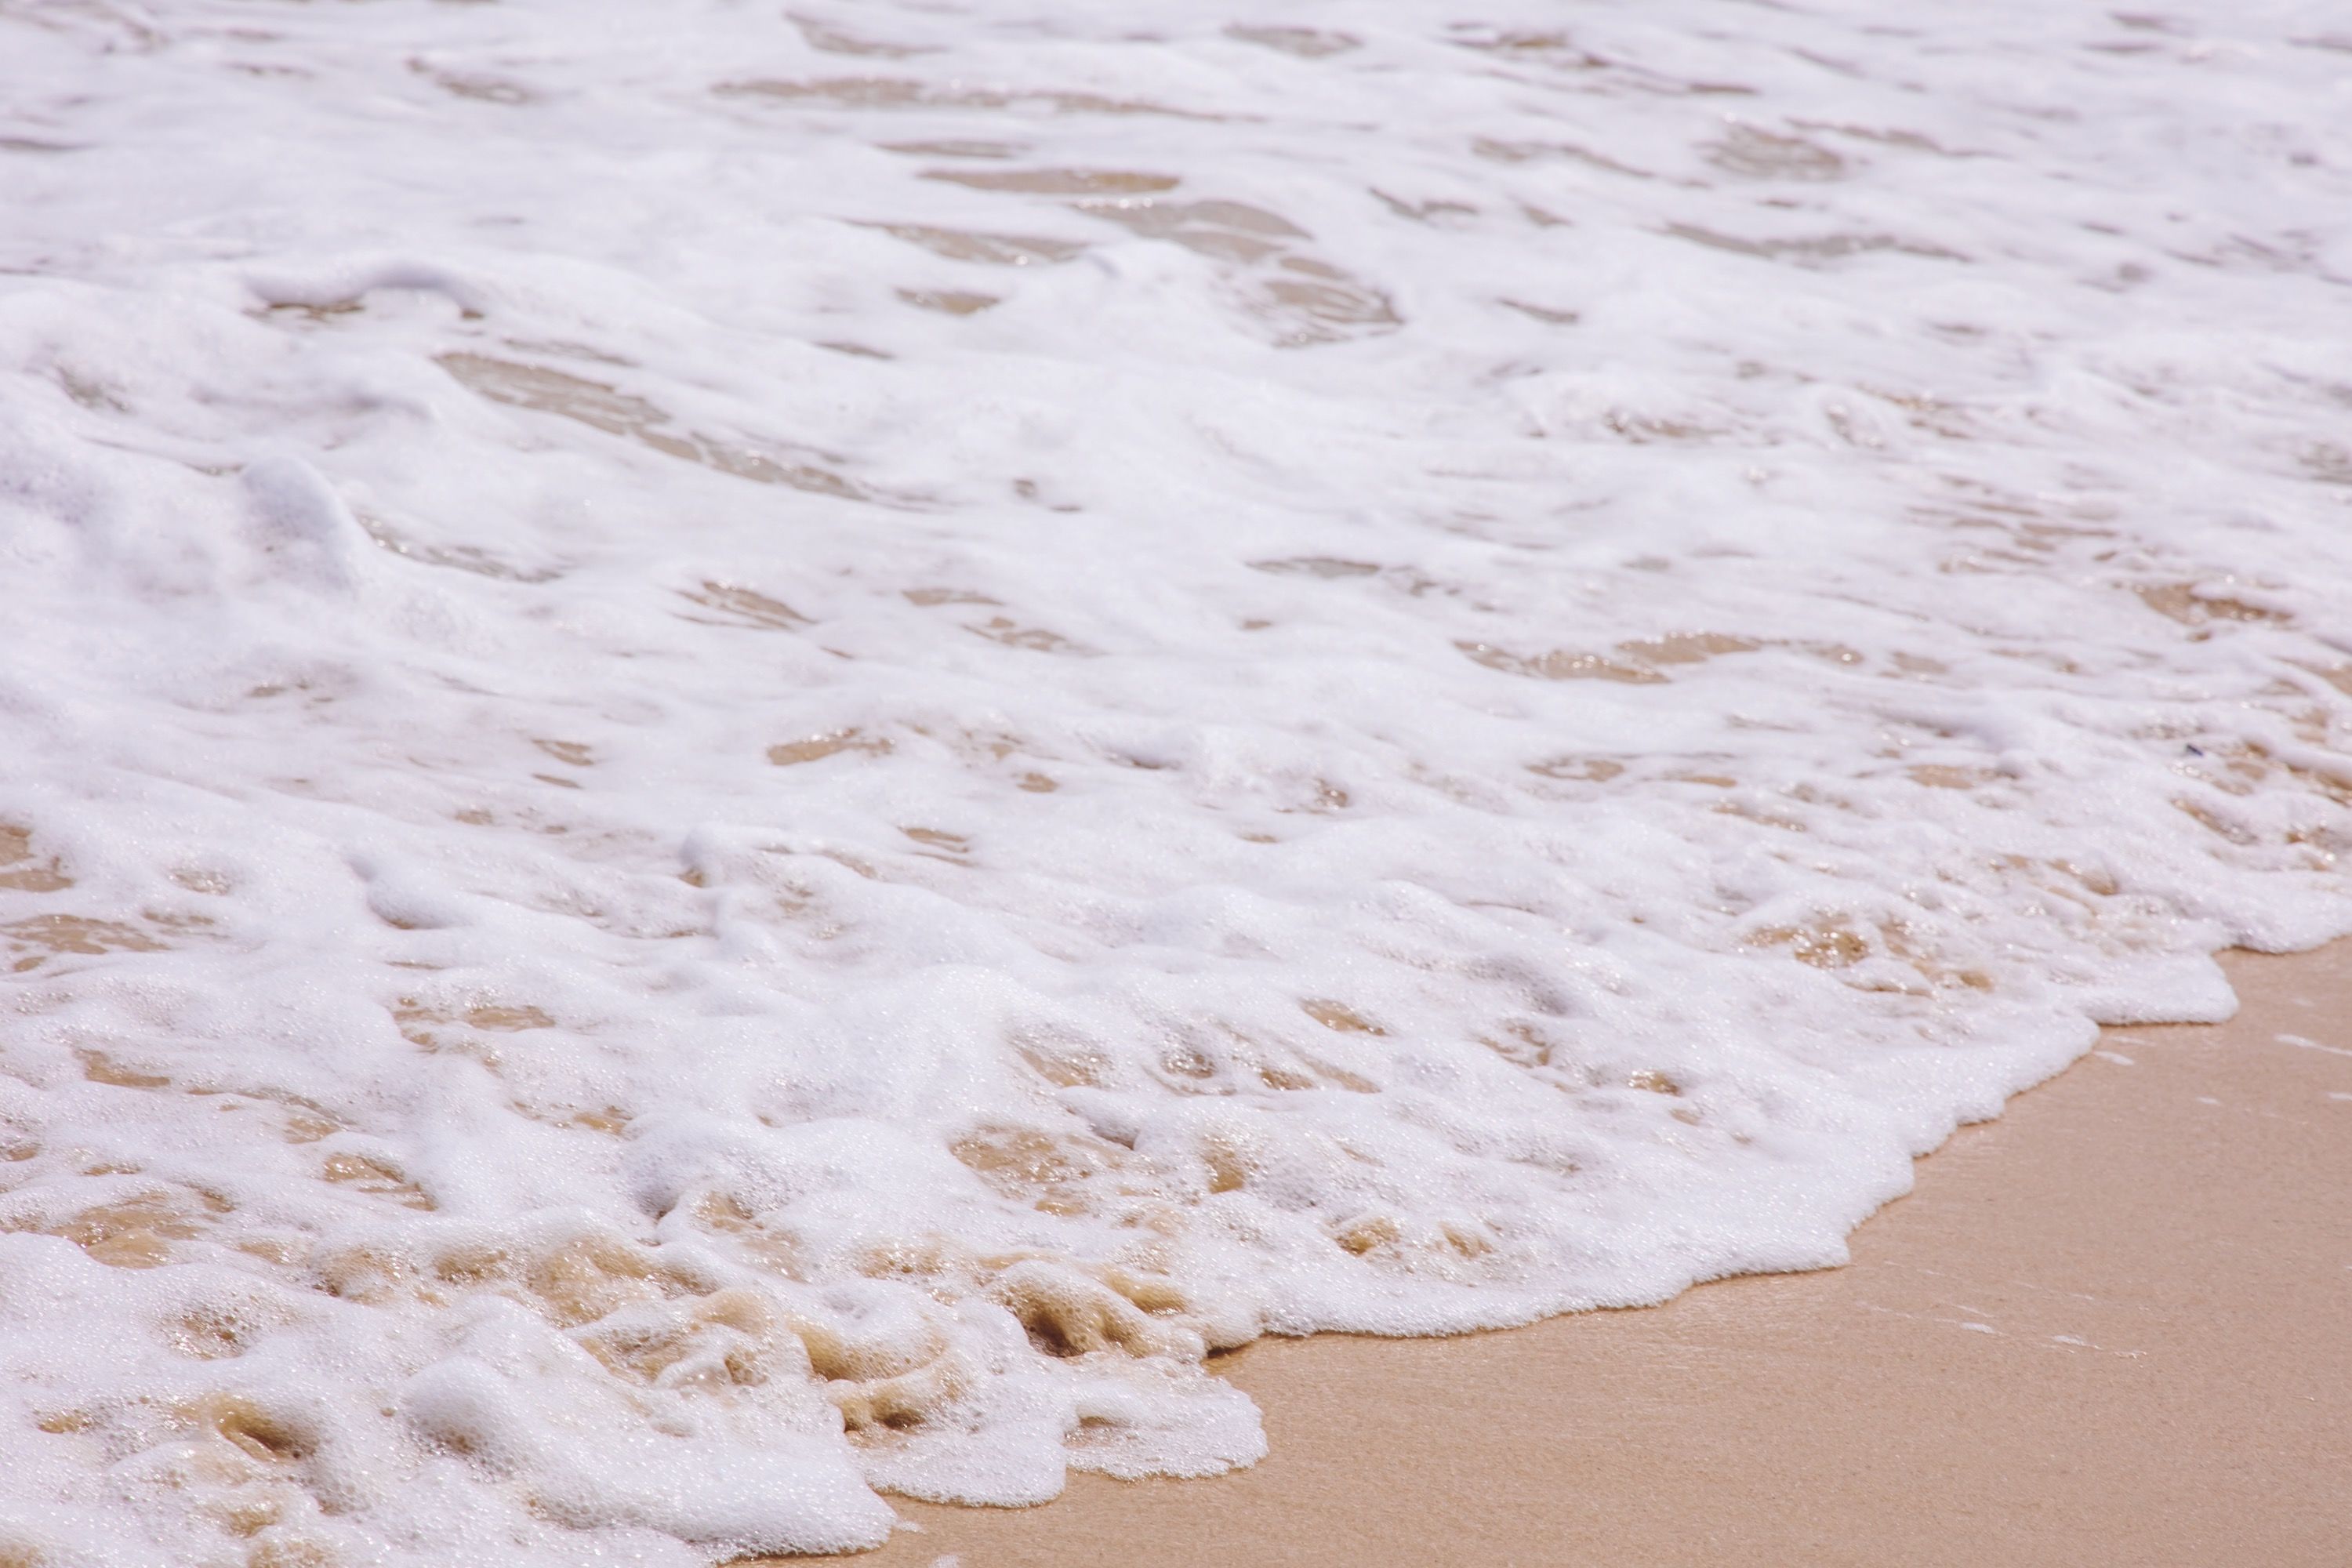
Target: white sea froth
x,y
746,760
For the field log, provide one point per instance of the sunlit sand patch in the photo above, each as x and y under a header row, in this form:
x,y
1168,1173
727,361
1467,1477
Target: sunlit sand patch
x,y
928,597
570,1281
1448,1250
724,1215
950,302
1582,770
886,1377
1406,579
100,1067
1058,182
1916,947
1307,43
1368,1234
1187,1065
1339,1016
366,1173
1560,665
20,867
929,1256
1035,639
1809,250
426,1024
940,845
833,743
242,1462
744,607
1281,1067
601,406
1833,945
1056,1175
37,939
612,1121
2191,605
1642,660
295,1118
1686,647
1945,775
1064,1060
1759,154
729,1339
139,1231
1827,946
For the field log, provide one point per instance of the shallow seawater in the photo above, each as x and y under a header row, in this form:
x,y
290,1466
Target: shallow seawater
x,y
749,759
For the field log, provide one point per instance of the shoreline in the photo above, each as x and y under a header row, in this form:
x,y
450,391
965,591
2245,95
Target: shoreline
x,y
2107,1327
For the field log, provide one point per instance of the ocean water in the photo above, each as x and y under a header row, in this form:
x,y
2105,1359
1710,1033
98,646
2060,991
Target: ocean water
x,y
755,758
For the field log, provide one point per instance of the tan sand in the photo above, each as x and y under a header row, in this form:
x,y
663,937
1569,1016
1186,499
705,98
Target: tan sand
x,y
2113,1326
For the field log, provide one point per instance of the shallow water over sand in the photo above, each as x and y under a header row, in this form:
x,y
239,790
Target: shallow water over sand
x,y
746,758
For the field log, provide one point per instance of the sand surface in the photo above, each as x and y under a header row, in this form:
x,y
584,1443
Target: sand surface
x,y
2113,1326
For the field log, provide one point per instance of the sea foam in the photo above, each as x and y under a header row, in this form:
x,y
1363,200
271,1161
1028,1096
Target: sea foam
x,y
751,759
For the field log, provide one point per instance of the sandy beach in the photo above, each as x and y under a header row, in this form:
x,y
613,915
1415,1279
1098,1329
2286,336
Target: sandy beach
x,y
2107,1328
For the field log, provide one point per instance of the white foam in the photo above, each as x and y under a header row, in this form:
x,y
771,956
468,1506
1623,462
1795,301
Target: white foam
x,y
746,760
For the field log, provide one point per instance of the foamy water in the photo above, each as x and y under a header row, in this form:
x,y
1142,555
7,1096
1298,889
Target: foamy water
x,y
746,760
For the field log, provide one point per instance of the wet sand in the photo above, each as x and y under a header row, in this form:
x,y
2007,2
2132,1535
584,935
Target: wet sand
x,y
2113,1326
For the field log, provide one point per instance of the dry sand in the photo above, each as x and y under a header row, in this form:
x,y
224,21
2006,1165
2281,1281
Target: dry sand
x,y
2113,1326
